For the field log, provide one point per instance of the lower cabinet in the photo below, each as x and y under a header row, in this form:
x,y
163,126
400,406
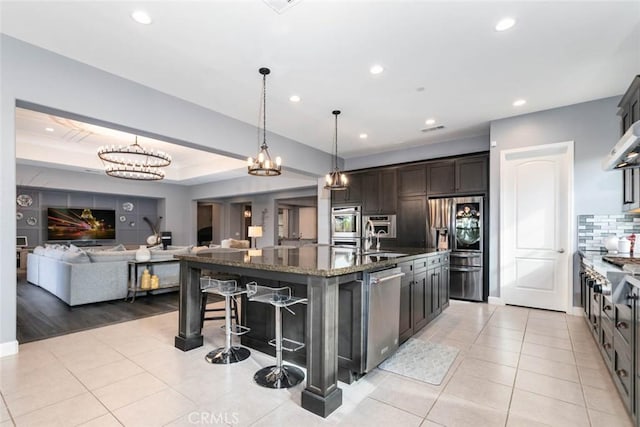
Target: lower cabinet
x,y
424,292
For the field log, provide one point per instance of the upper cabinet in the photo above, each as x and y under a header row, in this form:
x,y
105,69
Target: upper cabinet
x,y
412,180
629,106
379,191
458,176
352,195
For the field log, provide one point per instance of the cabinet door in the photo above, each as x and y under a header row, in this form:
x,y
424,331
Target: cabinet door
x,y
433,276
370,191
387,195
412,181
352,195
406,306
421,300
441,177
444,286
411,227
471,174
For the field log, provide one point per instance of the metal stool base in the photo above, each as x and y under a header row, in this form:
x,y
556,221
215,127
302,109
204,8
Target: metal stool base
x,y
289,376
221,357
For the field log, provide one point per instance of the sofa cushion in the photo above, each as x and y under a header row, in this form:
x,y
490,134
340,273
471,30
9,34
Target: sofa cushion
x,y
55,252
233,243
118,248
79,257
108,256
39,250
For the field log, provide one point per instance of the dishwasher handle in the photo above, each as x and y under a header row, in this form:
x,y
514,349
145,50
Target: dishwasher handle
x,y
378,280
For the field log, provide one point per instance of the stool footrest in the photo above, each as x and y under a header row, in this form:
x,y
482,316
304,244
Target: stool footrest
x,y
237,329
295,345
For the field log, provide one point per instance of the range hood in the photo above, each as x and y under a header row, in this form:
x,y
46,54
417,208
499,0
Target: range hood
x,y
626,153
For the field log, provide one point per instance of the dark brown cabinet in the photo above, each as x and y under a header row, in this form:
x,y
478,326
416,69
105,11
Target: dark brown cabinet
x,y
459,176
379,192
352,195
412,180
421,300
411,229
629,106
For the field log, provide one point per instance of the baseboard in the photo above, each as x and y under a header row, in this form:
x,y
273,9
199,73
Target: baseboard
x,y
8,348
495,301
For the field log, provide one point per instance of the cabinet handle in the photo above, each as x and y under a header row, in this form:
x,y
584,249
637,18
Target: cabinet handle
x,y
622,325
622,373
632,297
607,345
606,308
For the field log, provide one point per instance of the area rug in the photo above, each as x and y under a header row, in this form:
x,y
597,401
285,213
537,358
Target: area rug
x,y
421,360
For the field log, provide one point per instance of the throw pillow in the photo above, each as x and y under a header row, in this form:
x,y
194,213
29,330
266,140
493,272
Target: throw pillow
x,y
79,257
118,248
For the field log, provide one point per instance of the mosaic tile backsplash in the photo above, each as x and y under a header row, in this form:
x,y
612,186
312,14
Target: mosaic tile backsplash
x,y
594,229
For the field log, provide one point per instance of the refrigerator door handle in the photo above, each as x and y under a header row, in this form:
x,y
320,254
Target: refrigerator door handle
x,y
464,269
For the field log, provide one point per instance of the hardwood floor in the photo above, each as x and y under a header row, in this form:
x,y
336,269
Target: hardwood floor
x,y
42,315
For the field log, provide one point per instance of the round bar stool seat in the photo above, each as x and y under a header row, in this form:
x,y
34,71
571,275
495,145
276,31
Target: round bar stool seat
x,y
279,375
228,289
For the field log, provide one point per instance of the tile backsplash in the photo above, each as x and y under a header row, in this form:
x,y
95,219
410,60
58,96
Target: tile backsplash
x,y
594,229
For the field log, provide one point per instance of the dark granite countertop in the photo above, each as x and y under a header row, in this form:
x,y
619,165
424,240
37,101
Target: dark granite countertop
x,y
321,260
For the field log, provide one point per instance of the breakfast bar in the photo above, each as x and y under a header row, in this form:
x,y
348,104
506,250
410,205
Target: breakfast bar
x,y
322,270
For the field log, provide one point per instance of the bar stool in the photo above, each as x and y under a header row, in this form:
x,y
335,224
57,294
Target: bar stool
x,y
228,289
278,375
208,297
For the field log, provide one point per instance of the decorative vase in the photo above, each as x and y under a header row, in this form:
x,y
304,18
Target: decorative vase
x,y
145,281
155,282
143,254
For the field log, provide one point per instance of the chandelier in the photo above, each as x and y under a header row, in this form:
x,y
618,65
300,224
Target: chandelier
x,y
134,162
263,165
336,180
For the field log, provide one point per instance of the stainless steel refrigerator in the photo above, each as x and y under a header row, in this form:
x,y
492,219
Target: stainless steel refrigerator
x,y
458,224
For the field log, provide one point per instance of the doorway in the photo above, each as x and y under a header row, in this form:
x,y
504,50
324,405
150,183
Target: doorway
x,y
536,200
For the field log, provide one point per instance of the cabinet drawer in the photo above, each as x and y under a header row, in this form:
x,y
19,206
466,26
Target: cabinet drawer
x,y
406,268
420,264
433,261
622,322
607,308
606,342
622,372
444,258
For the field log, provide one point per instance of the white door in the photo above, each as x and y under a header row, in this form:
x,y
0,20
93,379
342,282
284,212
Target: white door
x,y
536,200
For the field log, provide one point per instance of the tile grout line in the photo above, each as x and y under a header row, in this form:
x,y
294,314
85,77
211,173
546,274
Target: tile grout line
x,y
11,418
513,388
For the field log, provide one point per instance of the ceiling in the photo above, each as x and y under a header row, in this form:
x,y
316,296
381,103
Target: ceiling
x,y
442,60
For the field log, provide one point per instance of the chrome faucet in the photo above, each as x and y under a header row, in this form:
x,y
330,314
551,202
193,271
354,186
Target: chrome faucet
x,y
378,237
370,232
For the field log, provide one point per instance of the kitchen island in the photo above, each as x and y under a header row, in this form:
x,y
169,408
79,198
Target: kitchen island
x,y
322,271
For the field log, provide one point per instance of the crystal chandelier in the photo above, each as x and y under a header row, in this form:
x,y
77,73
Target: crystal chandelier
x,y
134,162
263,165
336,180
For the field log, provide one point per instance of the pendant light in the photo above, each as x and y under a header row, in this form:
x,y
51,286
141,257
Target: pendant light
x,y
262,165
134,162
336,180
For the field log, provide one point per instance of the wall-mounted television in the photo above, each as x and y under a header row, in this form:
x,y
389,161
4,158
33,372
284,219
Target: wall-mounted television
x,y
81,224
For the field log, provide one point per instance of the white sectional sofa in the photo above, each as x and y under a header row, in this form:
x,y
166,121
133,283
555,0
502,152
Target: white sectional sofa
x,y
78,276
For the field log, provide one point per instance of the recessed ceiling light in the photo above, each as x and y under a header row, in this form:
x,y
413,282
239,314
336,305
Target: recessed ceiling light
x,y
141,17
363,136
505,23
49,129
519,102
430,122
376,69
294,98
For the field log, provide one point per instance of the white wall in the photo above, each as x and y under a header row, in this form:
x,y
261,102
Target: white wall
x,y
594,128
37,76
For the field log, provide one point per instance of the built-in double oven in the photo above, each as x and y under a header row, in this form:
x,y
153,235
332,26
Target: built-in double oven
x,y
346,226
383,225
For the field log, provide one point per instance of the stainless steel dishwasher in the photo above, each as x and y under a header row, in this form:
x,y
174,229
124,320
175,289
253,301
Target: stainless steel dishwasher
x,y
382,311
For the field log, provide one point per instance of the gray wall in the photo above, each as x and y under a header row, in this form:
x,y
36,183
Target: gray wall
x,y
594,128
427,151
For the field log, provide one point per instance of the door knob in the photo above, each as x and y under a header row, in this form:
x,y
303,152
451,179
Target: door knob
x,y
561,251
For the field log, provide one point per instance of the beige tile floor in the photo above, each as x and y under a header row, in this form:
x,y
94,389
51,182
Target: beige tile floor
x,y
516,367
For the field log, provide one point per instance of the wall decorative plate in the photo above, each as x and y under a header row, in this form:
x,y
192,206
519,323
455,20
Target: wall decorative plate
x,y
19,216
123,218
132,224
24,200
32,220
127,206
